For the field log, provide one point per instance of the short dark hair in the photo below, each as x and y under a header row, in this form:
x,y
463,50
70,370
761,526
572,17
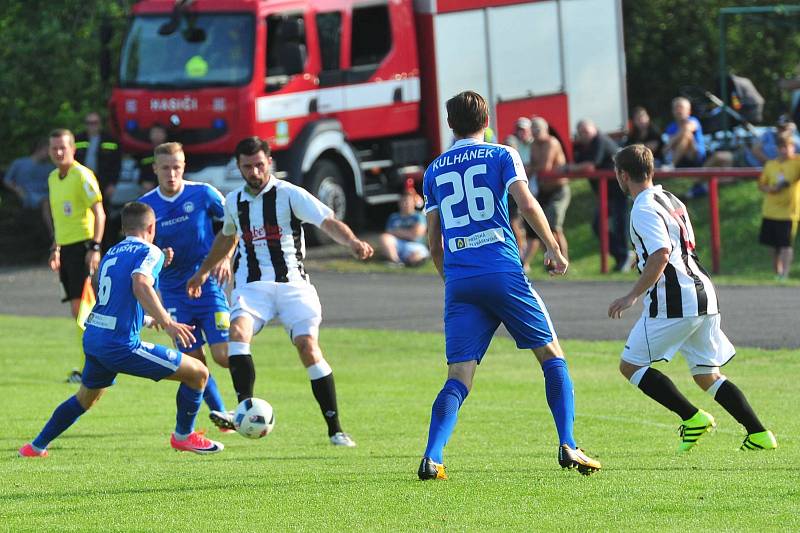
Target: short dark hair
x,y
637,161
61,132
136,216
251,146
467,113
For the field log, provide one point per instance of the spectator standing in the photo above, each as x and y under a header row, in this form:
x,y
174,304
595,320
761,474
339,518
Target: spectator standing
x,y
27,177
99,152
403,242
781,207
644,132
595,150
546,155
78,221
521,140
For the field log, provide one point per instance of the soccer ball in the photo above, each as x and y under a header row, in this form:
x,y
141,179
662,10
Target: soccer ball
x,y
254,418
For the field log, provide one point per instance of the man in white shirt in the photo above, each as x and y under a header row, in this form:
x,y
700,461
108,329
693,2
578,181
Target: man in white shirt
x,y
265,216
681,311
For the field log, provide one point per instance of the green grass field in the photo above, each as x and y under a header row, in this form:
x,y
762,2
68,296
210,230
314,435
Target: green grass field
x,y
114,469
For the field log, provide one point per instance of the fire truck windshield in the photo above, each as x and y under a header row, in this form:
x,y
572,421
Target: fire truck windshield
x,y
210,49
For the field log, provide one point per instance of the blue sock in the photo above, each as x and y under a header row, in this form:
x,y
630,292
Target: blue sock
x,y
560,398
188,401
63,417
212,396
444,414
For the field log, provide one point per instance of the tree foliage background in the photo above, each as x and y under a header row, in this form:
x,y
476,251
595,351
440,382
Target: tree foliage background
x,y
50,56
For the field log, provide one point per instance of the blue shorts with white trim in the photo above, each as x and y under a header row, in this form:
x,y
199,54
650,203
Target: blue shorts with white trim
x,y
474,307
147,360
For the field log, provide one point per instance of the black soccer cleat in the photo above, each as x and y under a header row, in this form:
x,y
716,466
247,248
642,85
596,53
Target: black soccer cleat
x,y
430,470
569,458
222,419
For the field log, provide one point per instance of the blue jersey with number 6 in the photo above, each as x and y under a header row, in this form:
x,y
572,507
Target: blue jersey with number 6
x,y
468,184
116,319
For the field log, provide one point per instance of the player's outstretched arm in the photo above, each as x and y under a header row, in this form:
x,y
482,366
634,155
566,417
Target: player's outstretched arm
x,y
342,234
222,247
530,209
653,268
435,240
144,292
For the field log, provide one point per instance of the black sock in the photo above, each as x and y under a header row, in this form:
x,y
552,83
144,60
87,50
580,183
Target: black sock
x,y
660,388
325,392
243,374
732,399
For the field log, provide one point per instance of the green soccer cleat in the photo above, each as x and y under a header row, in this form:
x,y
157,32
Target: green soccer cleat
x,y
694,428
763,440
576,458
430,470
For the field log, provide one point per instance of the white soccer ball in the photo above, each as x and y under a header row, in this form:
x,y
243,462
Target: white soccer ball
x,y
254,418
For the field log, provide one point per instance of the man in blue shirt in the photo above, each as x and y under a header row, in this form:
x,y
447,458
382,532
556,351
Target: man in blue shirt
x,y
685,145
473,248
184,222
128,276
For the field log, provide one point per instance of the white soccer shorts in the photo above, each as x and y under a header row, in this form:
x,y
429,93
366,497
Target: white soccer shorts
x,y
699,338
295,304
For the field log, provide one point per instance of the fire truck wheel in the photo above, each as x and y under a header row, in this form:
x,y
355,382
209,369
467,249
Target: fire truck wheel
x,y
325,181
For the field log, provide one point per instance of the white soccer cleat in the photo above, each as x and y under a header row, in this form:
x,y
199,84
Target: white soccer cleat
x,y
343,439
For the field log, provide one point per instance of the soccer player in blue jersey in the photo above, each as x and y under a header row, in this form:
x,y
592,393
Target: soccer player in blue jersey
x,y
184,222
474,250
128,275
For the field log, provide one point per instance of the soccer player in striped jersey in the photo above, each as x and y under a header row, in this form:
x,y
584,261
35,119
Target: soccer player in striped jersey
x,y
681,311
112,345
473,248
266,216
185,212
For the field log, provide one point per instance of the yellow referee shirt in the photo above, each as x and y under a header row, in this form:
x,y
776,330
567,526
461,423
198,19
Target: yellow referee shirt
x,y
71,199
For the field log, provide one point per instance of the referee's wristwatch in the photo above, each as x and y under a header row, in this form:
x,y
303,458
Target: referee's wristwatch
x,y
93,246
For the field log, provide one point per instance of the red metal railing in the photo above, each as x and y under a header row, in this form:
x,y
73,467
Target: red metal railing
x,y
711,175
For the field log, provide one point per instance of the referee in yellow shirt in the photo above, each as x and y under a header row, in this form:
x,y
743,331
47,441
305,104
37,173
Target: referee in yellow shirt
x,y
78,221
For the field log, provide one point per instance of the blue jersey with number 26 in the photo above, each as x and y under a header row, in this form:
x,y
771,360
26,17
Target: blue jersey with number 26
x,y
116,319
468,184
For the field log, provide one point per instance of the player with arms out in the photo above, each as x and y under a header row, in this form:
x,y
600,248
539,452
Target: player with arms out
x,y
111,343
681,311
184,222
473,248
266,216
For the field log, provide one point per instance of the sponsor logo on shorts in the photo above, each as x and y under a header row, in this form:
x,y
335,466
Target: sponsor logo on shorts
x,y
222,319
172,355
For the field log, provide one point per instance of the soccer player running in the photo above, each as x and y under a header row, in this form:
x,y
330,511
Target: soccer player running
x,y
266,215
184,222
681,310
473,248
111,344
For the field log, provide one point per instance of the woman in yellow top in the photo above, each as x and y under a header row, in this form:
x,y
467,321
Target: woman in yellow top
x,y
780,181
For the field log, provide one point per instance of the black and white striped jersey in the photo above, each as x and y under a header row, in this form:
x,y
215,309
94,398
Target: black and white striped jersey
x,y
269,227
660,220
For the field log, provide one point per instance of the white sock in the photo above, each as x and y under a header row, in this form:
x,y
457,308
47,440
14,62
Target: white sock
x,y
712,390
319,370
637,376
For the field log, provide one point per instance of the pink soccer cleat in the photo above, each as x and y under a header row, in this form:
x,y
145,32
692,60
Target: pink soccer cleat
x,y
196,443
29,451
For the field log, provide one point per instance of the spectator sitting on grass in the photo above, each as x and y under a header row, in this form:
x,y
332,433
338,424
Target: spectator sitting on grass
x,y
781,209
403,243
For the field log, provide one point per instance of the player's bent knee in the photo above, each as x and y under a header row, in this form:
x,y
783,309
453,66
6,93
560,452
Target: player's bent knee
x,y
551,350
629,369
88,397
219,352
308,349
705,377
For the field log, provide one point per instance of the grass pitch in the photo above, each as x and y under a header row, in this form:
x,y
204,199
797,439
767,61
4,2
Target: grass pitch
x,y
114,469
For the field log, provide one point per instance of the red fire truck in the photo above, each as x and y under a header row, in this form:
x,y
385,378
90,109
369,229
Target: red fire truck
x,y
350,93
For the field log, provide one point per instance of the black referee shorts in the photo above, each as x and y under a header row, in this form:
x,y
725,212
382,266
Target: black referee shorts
x,y
73,271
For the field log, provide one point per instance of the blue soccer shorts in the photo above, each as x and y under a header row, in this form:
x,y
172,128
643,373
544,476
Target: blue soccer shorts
x,y
209,314
147,360
474,307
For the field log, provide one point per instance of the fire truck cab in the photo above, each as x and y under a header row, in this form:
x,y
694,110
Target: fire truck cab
x,y
350,93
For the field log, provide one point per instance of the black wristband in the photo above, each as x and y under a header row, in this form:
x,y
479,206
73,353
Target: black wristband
x,y
93,246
